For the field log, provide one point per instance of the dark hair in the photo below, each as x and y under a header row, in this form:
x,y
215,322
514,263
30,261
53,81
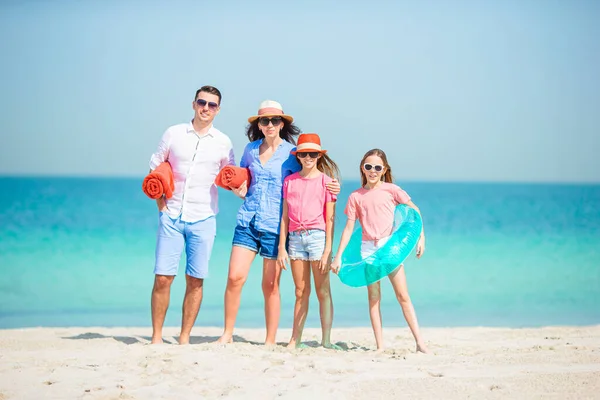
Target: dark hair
x,y
209,89
288,132
387,177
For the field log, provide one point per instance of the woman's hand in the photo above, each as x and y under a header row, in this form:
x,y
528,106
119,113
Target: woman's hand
x,y
283,258
334,187
421,246
241,191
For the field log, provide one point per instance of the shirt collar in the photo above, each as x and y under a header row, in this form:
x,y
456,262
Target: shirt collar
x,y
190,129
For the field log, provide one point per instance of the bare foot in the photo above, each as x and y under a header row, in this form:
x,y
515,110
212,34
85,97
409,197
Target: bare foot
x,y
225,339
421,348
184,339
331,346
156,340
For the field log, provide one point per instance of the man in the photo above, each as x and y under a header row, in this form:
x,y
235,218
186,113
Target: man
x,y
196,151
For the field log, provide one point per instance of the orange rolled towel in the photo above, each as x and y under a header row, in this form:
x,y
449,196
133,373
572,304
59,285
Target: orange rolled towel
x,y
159,182
232,177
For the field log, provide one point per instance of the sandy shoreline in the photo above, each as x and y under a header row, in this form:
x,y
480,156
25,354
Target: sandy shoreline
x,y
117,363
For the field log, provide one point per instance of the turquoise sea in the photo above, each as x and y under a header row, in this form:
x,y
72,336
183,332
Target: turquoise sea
x,y
80,252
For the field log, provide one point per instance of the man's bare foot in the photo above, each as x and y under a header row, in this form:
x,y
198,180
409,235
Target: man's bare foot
x,y
225,339
291,344
331,346
421,348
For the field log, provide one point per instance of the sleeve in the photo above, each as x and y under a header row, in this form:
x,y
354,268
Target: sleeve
x,y
244,162
350,210
162,153
400,196
329,197
228,157
291,166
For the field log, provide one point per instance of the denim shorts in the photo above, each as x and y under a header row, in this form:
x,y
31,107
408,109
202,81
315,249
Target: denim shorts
x,y
307,245
266,244
173,235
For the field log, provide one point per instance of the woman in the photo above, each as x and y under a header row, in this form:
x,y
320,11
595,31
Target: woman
x,y
272,137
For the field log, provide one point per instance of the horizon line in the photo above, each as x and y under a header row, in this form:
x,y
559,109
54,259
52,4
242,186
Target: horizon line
x,y
432,181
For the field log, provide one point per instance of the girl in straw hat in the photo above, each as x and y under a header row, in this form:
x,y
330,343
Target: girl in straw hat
x,y
267,156
308,211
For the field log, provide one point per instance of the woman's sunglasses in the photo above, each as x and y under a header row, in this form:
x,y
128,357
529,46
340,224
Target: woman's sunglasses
x,y
264,121
211,105
377,168
311,154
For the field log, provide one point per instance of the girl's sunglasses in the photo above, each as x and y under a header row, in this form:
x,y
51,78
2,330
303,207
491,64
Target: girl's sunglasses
x,y
211,105
311,154
377,168
264,121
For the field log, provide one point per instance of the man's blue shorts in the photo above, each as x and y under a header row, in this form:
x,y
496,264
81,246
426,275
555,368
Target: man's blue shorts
x,y
197,238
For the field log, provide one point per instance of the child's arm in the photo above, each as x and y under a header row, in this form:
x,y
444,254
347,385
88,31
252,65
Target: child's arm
x,y
329,224
421,243
346,234
282,257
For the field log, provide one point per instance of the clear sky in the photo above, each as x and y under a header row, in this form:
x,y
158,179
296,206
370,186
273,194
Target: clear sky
x,y
451,90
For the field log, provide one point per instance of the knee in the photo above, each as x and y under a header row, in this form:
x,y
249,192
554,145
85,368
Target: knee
x,y
194,283
162,282
235,281
374,295
403,297
323,293
302,292
270,286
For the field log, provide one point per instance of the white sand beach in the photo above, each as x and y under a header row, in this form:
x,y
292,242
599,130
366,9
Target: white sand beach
x,y
118,363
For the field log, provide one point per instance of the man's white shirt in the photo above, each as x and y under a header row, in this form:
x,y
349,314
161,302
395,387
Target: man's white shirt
x,y
196,160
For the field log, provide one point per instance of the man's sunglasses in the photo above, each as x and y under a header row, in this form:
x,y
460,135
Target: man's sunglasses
x,y
378,168
311,154
264,121
212,106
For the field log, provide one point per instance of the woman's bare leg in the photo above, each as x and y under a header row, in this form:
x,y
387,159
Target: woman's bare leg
x,y
239,266
270,286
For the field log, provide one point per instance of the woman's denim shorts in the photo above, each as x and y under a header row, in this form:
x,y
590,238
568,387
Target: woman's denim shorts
x,y
307,245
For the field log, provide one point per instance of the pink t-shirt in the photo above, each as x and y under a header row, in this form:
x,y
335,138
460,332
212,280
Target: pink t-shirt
x,y
375,209
306,200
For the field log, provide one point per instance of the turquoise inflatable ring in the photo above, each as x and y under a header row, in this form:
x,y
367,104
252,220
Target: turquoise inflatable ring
x,y
357,272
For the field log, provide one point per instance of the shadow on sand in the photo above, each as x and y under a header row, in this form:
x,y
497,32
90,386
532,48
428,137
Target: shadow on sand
x,y
146,339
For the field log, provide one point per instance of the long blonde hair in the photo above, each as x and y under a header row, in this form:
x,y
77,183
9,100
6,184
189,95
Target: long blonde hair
x,y
387,177
327,166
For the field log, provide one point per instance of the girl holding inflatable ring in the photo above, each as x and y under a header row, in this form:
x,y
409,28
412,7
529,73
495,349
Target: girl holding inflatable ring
x,y
373,205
